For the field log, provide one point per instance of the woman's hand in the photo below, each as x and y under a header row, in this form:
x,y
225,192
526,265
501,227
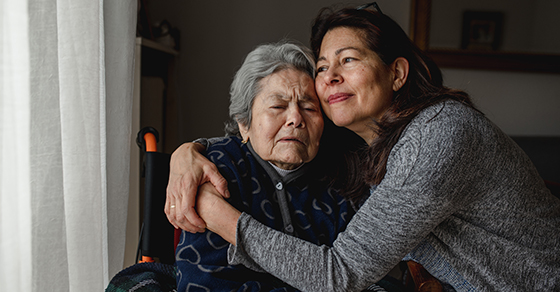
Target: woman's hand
x,y
219,215
188,170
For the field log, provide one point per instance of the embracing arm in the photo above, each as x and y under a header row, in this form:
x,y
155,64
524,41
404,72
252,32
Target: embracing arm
x,y
376,239
189,169
419,191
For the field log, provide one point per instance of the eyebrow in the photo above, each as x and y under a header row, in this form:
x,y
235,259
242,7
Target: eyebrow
x,y
304,97
337,52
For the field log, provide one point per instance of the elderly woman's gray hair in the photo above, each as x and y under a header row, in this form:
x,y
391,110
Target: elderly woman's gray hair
x,y
261,62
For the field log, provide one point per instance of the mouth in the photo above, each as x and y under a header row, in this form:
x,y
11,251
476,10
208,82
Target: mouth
x,y
338,97
291,140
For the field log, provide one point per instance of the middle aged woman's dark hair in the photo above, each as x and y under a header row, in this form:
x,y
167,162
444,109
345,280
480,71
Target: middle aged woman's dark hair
x,y
423,88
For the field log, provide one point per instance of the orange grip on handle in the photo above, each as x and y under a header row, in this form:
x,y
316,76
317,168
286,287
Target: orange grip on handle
x,y
146,259
151,143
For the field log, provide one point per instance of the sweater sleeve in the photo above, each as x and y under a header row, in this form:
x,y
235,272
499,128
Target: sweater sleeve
x,y
425,173
207,142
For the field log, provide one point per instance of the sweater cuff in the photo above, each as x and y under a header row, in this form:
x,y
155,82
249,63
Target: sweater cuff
x,y
207,142
203,141
236,253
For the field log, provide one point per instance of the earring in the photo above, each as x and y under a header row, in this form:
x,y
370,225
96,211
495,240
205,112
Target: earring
x,y
244,141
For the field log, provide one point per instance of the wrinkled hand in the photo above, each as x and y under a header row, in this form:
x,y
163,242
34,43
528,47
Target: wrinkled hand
x,y
188,170
219,215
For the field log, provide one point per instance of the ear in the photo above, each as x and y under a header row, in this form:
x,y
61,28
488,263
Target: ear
x,y
400,69
244,131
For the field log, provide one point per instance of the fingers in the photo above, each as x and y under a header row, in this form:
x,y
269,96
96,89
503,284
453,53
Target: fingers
x,y
188,212
169,207
177,209
173,186
178,219
219,182
170,213
188,170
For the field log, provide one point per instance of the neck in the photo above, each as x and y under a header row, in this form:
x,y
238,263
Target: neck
x,y
282,171
366,132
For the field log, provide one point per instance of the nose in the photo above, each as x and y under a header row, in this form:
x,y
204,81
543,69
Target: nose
x,y
295,118
332,76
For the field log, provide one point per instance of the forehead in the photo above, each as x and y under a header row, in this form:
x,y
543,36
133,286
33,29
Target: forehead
x,y
287,84
340,38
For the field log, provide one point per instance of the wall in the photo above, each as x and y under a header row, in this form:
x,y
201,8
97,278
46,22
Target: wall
x,y
522,104
527,25
216,35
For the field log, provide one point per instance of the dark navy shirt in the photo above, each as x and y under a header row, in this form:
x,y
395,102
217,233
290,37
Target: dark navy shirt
x,y
300,204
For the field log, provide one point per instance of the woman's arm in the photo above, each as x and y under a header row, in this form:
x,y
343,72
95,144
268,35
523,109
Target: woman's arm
x,y
189,169
421,189
219,214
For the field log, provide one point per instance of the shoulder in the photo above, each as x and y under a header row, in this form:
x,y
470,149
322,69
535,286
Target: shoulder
x,y
230,155
230,146
448,112
449,120
440,132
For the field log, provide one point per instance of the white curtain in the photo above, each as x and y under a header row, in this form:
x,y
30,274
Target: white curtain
x,y
66,82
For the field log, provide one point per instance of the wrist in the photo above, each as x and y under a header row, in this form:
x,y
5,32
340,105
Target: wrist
x,y
219,215
226,223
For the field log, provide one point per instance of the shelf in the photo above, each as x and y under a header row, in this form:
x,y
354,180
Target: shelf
x,y
490,60
156,46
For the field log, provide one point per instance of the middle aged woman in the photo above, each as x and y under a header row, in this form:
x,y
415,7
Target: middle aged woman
x,y
268,159
451,190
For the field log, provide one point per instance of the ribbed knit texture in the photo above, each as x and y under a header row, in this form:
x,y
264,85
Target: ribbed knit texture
x,y
455,181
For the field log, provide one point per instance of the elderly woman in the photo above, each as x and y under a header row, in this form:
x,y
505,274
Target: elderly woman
x,y
450,190
273,136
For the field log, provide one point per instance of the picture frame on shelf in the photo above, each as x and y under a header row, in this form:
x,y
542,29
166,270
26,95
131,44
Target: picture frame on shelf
x,y
482,30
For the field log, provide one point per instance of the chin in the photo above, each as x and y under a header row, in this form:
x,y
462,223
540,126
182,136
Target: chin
x,y
342,122
294,159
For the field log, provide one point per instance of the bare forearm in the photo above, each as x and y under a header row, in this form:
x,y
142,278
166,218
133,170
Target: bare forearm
x,y
225,224
219,215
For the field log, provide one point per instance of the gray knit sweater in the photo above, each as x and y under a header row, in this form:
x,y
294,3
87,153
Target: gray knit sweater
x,y
454,182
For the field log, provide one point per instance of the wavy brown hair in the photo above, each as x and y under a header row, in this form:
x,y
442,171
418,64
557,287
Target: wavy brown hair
x,y
423,88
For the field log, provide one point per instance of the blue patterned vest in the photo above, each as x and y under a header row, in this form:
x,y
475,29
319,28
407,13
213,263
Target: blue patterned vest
x,y
300,204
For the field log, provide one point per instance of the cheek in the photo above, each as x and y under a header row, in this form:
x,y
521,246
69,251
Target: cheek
x,y
316,131
266,130
260,141
320,89
325,107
